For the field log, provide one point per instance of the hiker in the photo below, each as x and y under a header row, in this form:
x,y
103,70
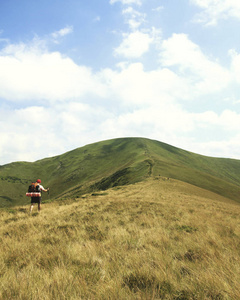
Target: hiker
x,y
38,188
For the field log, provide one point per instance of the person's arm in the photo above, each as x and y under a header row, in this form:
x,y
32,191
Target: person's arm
x,y
43,189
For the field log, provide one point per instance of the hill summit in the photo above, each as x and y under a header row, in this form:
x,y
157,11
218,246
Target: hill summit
x,y
118,162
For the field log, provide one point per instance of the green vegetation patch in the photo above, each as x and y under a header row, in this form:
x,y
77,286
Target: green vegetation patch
x,y
94,233
186,228
147,283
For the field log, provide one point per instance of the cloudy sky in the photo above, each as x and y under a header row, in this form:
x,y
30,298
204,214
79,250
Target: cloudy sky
x,y
77,72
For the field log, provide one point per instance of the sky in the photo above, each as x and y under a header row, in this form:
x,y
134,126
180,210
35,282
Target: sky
x,y
76,72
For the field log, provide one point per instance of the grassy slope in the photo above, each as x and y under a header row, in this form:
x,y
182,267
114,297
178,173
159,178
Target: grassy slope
x,y
219,175
75,168
156,239
118,162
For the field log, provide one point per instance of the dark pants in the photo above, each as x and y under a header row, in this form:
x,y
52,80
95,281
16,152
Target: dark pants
x,y
36,200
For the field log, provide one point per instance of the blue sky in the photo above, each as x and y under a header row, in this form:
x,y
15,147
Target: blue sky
x,y
77,72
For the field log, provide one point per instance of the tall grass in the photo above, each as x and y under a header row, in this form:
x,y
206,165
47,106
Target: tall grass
x,y
158,239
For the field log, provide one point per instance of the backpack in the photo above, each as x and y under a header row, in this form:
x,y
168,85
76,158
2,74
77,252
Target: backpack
x,y
34,187
34,190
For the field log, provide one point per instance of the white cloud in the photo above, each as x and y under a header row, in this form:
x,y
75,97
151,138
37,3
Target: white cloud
x,y
132,85
73,124
230,121
214,10
62,32
159,8
82,106
20,129
134,45
134,18
227,120
171,124
31,72
204,75
235,65
36,132
137,2
227,147
162,121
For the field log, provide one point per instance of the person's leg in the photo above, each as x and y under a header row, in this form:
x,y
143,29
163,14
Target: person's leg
x,y
31,207
39,204
33,200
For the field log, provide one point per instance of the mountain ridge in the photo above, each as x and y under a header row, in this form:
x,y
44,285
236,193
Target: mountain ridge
x,y
117,162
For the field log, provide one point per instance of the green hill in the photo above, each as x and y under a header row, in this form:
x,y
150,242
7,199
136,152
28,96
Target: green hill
x,y
116,162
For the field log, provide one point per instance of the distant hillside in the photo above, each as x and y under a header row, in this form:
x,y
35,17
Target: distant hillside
x,y
116,162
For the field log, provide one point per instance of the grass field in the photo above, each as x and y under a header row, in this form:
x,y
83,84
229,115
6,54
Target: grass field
x,y
156,239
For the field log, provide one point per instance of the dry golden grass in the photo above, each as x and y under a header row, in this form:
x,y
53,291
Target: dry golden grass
x,y
158,239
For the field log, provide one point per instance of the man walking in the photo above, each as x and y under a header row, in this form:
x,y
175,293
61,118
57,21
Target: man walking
x,y
39,188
